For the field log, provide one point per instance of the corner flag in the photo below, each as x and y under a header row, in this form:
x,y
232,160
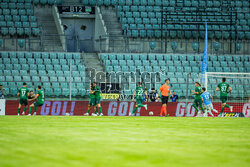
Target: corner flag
x,y
204,61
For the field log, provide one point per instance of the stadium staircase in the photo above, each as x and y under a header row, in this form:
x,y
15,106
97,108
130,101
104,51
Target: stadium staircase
x,y
50,37
116,38
91,60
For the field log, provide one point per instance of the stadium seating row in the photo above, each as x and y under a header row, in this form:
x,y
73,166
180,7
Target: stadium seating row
x,y
20,31
41,67
174,57
173,3
52,92
38,79
41,73
40,55
189,69
16,12
174,63
24,3
48,62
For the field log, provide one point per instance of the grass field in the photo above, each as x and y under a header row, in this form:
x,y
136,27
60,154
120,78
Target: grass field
x,y
124,141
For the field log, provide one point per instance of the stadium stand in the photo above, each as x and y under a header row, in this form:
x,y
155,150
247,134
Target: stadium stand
x,y
18,21
52,70
174,66
173,28
181,19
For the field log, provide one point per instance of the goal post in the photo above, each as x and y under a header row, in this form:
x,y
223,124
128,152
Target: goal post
x,y
239,82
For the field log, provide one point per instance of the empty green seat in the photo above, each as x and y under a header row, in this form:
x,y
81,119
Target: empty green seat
x,y
7,72
53,79
35,79
10,67
15,72
57,92
42,72
26,78
21,42
35,31
33,72
65,67
13,91
44,79
81,68
61,79
12,31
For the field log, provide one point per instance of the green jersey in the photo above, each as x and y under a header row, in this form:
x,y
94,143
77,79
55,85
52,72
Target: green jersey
x,y
198,89
40,98
97,92
224,88
23,93
139,92
92,95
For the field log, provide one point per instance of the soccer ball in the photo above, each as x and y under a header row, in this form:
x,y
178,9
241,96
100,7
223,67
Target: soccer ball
x,y
67,114
151,113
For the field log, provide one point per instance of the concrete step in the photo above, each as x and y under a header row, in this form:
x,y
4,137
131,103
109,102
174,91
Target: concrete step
x,y
111,21
115,32
114,26
45,19
93,61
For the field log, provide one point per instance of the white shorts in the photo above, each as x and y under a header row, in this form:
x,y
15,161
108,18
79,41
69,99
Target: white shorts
x,y
209,107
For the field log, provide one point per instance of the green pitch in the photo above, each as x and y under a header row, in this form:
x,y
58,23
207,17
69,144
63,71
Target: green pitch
x,y
123,141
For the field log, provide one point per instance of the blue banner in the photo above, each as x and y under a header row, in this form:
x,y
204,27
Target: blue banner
x,y
204,61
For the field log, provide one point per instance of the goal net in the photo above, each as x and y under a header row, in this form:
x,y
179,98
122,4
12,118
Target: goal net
x,y
239,97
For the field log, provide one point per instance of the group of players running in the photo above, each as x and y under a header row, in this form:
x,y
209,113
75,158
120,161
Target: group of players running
x,y
201,97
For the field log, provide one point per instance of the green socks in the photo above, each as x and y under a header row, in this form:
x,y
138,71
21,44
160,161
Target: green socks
x,y
222,109
140,105
88,111
96,110
24,110
35,109
202,109
30,109
196,109
100,109
134,110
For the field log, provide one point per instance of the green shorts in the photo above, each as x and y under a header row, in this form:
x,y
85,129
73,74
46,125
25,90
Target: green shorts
x,y
139,101
23,101
97,101
92,102
38,104
223,99
197,102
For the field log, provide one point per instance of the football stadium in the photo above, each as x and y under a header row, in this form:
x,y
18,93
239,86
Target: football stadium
x,y
124,83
